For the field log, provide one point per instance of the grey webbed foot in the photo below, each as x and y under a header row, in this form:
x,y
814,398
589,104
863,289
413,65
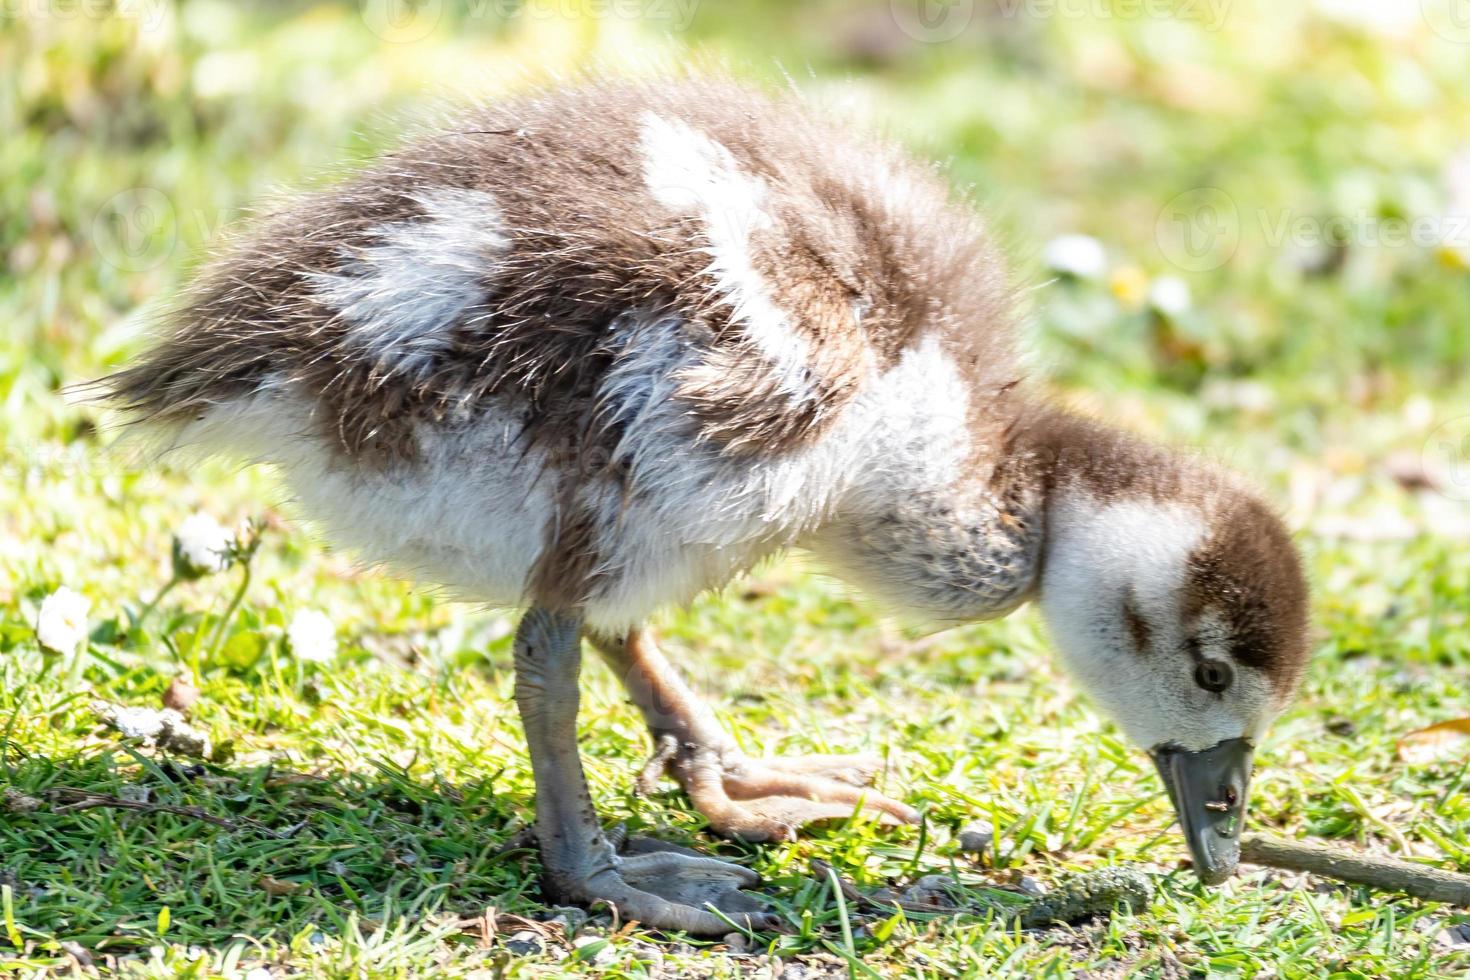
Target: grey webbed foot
x,y
664,886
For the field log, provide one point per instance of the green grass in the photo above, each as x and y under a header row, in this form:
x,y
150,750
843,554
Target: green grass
x,y
368,801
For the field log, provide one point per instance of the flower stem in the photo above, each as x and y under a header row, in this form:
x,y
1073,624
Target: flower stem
x,y
152,604
78,664
218,636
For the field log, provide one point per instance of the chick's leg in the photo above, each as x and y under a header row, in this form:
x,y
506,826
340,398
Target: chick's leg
x,y
748,799
664,889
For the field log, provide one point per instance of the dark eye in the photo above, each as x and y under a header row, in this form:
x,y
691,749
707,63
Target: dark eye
x,y
1213,675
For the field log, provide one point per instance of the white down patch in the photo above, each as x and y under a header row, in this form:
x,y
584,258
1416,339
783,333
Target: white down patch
x,y
689,173
692,517
469,515
403,295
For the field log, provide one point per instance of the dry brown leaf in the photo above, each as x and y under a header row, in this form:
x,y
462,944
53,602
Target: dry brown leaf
x,y
1447,739
277,888
181,695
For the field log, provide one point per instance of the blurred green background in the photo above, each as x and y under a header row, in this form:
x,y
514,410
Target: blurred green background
x,y
1298,163
1243,224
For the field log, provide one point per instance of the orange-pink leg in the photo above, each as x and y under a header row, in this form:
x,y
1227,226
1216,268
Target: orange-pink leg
x,y
747,799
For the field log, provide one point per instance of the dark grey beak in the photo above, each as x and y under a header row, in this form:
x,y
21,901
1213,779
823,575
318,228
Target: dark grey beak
x,y
1208,790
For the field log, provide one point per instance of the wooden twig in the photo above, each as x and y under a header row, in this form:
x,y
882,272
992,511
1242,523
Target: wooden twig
x,y
74,800
1388,874
82,800
825,873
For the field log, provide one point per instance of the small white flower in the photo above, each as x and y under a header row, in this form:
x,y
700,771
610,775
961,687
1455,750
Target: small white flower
x,y
1170,296
61,624
1077,255
201,547
312,636
1242,396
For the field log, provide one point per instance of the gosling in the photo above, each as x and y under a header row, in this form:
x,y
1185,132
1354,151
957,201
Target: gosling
x,y
602,347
